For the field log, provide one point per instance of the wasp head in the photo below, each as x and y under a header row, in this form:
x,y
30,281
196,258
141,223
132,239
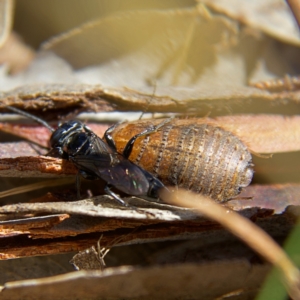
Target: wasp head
x,y
67,138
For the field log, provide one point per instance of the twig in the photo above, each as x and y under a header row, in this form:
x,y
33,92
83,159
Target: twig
x,y
244,229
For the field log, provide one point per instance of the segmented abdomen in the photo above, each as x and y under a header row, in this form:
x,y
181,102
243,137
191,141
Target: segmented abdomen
x,y
199,157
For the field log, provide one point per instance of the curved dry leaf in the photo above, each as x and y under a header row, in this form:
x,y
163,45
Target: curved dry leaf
x,y
56,97
165,34
61,100
183,61
272,17
53,101
193,59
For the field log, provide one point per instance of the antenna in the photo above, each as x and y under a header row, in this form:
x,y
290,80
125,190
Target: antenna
x,y
32,117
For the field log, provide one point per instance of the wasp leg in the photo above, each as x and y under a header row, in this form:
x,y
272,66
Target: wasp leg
x,y
78,184
108,138
115,196
128,148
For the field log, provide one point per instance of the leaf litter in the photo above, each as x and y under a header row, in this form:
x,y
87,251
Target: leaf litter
x,y
193,61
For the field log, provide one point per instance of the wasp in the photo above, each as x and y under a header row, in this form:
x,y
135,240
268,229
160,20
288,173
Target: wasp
x,y
98,158
190,154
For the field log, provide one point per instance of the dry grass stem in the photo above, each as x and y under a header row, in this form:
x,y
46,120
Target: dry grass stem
x,y
35,186
244,229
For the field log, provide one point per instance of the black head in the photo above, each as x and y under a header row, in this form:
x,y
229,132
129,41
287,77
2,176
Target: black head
x,y
62,137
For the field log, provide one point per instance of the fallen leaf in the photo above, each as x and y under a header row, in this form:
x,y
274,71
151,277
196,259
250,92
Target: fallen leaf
x,y
145,283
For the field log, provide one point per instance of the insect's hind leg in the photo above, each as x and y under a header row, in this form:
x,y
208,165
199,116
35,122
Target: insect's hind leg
x,y
128,148
115,196
108,138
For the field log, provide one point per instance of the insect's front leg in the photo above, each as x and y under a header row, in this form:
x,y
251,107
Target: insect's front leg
x,y
78,184
78,180
151,129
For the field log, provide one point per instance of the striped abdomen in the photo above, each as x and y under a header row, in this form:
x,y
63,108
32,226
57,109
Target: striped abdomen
x,y
196,156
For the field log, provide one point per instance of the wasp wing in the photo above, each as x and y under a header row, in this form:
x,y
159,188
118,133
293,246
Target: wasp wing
x,y
98,146
116,171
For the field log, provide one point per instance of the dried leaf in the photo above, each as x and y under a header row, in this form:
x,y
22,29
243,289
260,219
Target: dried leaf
x,y
148,223
185,78
73,99
205,281
272,17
